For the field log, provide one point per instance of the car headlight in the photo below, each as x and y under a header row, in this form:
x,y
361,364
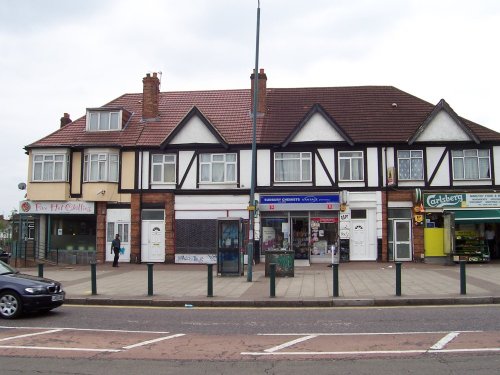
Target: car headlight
x,y
35,290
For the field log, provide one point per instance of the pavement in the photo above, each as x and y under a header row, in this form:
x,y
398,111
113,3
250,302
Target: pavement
x,y
360,284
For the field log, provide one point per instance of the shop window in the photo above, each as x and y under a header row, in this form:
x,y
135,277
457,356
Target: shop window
x,y
410,165
471,164
274,233
351,166
324,233
434,220
217,168
73,233
292,167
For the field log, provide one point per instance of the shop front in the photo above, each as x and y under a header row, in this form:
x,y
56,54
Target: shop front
x,y
65,231
462,226
307,225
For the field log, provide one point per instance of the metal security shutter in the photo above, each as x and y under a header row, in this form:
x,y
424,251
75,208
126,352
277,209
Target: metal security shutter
x,y
195,236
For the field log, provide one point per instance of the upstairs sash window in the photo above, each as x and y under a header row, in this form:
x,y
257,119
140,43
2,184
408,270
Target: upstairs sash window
x,y
218,168
103,120
50,167
163,168
351,166
410,165
100,167
471,164
292,167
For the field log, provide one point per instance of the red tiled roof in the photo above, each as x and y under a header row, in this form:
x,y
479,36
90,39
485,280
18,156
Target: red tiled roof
x,y
366,114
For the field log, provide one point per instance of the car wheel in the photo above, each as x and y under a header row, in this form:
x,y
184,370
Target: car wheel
x,y
11,305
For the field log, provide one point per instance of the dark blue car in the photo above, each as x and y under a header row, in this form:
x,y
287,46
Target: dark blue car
x,y
23,293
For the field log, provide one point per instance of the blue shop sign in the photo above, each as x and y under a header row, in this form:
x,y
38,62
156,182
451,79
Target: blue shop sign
x,y
299,202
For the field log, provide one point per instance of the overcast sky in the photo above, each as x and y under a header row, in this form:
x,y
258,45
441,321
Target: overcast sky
x,y
61,56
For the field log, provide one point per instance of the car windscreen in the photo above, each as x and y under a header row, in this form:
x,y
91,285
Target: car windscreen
x,y
6,269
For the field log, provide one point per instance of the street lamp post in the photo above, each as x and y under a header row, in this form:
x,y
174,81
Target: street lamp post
x,y
251,204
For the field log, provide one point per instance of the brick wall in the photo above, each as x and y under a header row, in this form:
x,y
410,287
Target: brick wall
x,y
417,230
101,232
167,200
150,96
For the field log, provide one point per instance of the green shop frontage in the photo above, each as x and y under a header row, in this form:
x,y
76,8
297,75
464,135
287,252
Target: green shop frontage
x,y
461,226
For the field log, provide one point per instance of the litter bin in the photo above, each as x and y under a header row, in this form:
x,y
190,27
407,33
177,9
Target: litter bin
x,y
284,260
4,257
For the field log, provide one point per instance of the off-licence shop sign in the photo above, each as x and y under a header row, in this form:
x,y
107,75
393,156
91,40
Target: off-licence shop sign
x,y
461,200
299,202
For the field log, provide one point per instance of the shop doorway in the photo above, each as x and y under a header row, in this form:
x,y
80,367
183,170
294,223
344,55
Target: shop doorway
x,y
402,240
153,236
300,237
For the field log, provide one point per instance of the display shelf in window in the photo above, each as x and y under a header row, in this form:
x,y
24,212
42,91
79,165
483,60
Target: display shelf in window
x,y
470,248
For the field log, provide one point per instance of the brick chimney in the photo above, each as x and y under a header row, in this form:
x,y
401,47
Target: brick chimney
x,y
150,96
65,120
261,91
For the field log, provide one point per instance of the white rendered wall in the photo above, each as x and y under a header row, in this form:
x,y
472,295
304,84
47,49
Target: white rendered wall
x,y
372,166
263,168
317,129
443,128
145,170
184,160
245,168
194,131
328,156
442,177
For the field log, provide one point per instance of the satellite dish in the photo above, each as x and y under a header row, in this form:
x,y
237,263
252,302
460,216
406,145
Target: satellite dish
x,y
21,186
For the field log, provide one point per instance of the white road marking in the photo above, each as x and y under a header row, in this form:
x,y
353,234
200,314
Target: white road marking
x,y
362,333
55,348
30,334
444,341
87,329
478,350
289,343
153,341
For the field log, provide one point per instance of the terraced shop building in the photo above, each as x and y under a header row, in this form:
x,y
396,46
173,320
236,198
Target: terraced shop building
x,y
347,167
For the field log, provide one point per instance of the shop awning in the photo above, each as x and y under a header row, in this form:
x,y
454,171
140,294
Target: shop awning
x,y
477,216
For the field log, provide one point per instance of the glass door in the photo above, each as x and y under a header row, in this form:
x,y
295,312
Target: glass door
x,y
402,240
300,237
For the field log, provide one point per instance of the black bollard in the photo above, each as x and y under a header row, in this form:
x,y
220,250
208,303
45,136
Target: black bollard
x,y
463,284
272,279
398,279
93,278
150,279
335,268
210,281
40,269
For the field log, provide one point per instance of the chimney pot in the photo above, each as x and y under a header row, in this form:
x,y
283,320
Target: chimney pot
x,y
65,120
150,96
261,91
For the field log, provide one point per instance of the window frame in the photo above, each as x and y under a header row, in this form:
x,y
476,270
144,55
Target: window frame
x,y
301,159
210,165
410,158
162,165
99,116
45,162
467,176
350,159
103,163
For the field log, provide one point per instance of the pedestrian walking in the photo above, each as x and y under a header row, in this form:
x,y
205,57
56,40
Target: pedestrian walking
x,y
115,248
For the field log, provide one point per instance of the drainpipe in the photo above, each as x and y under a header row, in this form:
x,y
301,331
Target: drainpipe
x,y
386,208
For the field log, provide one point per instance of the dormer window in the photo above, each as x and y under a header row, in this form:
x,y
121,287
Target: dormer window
x,y
104,120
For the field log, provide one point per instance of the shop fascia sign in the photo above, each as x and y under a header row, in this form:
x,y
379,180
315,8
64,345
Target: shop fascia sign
x,y
299,202
461,200
66,208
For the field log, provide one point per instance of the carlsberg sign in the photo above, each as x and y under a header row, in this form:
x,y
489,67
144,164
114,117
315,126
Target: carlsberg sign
x,y
461,200
444,200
